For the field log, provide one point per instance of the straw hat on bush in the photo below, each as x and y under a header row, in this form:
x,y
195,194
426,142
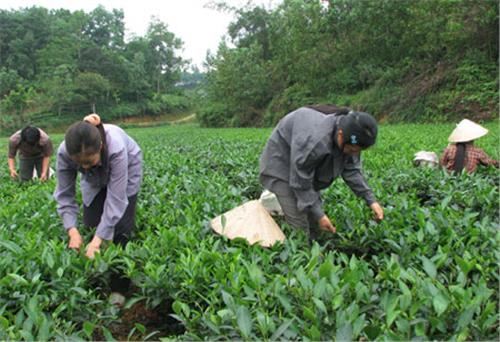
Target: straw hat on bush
x,y
467,130
249,221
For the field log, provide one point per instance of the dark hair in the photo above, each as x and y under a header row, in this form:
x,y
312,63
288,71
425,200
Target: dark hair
x,y
329,109
359,129
460,157
83,137
30,135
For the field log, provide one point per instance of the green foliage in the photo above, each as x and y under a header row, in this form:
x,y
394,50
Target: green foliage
x,y
92,87
75,61
18,100
167,103
292,98
429,271
214,115
124,110
468,88
401,60
240,80
9,80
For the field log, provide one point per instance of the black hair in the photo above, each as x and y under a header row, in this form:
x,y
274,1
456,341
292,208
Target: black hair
x,y
460,157
359,129
30,135
83,137
329,109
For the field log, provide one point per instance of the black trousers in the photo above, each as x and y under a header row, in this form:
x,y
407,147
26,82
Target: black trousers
x,y
123,231
27,165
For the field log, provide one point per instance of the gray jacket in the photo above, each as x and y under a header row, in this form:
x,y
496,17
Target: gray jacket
x,y
122,179
302,154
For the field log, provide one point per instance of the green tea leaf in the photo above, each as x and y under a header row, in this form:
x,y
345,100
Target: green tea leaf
x,y
140,327
440,303
429,267
466,317
282,328
107,334
320,305
326,269
244,320
285,302
88,328
344,333
44,330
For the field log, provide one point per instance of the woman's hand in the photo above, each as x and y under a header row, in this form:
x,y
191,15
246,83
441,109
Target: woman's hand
x,y
43,177
325,224
93,247
75,239
13,174
378,211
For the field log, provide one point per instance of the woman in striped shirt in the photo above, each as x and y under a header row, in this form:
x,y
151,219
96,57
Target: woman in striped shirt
x,y
461,153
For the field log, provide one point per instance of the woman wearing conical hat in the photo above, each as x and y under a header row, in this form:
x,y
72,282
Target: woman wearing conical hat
x,y
461,153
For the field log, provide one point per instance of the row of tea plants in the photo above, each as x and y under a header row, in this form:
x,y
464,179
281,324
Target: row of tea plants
x,y
428,271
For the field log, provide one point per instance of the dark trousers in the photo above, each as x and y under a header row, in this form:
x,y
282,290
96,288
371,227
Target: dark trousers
x,y
123,230
27,165
294,217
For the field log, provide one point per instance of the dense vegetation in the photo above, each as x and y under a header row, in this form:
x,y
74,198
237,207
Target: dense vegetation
x,y
56,65
432,60
403,61
429,271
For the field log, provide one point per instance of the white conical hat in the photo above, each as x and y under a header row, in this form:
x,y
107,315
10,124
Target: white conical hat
x,y
467,130
250,221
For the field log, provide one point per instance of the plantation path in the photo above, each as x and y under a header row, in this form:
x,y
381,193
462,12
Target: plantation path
x,y
185,119
156,121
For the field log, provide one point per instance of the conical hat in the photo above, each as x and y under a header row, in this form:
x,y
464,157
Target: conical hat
x,y
467,130
250,221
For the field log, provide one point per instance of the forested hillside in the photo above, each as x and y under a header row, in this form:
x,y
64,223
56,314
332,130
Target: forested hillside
x,y
411,61
433,60
56,65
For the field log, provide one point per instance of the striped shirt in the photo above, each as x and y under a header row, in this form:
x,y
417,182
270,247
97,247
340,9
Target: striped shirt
x,y
473,157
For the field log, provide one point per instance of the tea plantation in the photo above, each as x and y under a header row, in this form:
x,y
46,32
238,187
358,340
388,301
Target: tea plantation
x,y
430,270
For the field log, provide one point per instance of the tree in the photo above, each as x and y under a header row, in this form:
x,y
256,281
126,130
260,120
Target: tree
x,y
106,29
92,87
239,79
18,100
138,84
9,79
59,89
164,65
250,27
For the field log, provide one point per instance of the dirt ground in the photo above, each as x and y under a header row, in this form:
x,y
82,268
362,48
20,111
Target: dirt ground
x,y
154,320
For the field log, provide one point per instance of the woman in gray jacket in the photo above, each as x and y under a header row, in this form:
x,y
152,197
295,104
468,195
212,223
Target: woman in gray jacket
x,y
110,164
306,152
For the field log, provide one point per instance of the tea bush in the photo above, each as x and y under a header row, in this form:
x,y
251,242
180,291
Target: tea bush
x,y
428,271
